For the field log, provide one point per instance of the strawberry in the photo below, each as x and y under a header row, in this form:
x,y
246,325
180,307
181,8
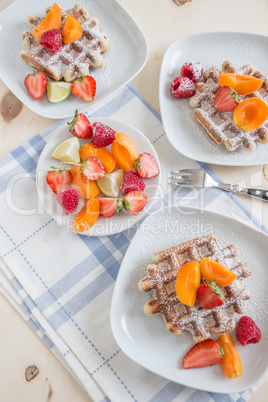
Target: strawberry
x,y
36,84
134,202
68,199
110,206
80,126
146,166
92,169
210,295
85,88
226,99
203,354
59,179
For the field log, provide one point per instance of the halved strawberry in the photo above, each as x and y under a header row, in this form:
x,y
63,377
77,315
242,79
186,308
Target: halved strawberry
x,y
92,169
59,179
205,353
209,295
146,166
110,206
134,202
36,84
85,88
80,126
226,99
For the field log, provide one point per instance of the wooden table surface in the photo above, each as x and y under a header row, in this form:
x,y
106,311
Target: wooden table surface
x,y
162,22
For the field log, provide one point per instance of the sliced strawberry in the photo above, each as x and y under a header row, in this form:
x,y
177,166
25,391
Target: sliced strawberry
x,y
110,206
80,126
36,84
59,179
210,295
134,202
146,166
92,169
85,88
226,99
203,354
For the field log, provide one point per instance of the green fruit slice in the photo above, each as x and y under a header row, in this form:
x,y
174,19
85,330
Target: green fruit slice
x,y
57,91
110,184
67,151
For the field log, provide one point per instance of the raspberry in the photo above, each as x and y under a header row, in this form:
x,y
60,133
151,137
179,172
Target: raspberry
x,y
192,70
68,199
132,182
52,40
247,331
182,87
102,135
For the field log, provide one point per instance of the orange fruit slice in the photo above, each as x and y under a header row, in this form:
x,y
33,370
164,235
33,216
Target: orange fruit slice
x,y
250,114
86,188
71,29
51,21
105,157
212,270
187,282
242,84
124,152
231,363
88,216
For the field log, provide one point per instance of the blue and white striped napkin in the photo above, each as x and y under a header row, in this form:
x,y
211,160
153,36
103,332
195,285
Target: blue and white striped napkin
x,y
62,283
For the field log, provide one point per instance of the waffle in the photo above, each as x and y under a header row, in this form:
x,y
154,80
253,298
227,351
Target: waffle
x,y
220,126
73,59
161,279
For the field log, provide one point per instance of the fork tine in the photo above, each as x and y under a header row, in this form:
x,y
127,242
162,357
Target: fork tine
x,y
182,177
181,183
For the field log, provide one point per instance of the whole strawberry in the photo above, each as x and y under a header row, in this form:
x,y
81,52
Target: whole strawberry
x,y
36,84
131,182
80,126
146,166
102,135
68,199
247,331
59,179
134,202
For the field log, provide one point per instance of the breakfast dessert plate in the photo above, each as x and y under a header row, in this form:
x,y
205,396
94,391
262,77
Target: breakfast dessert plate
x,y
210,49
126,56
146,340
103,226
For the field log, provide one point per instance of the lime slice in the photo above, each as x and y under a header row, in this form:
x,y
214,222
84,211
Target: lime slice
x,y
57,91
110,184
67,151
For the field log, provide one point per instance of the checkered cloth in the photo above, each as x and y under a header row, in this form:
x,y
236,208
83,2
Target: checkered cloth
x,y
62,283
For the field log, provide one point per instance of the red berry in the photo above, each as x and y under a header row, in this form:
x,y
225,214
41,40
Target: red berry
x,y
92,169
52,40
192,70
68,199
226,99
134,202
146,166
209,295
36,84
85,88
110,206
102,135
182,87
131,182
203,354
80,126
247,331
59,179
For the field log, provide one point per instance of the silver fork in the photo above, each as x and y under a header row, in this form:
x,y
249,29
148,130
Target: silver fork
x,y
199,178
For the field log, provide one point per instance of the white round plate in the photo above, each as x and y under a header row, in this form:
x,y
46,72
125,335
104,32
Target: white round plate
x,y
103,226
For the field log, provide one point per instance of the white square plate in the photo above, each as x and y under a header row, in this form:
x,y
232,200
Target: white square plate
x,y
210,49
123,61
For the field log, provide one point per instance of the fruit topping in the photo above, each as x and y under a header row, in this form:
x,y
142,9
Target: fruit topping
x,y
71,29
209,295
212,270
110,206
85,88
187,282
58,91
68,199
131,182
51,21
102,135
36,84
87,217
146,166
80,126
106,158
110,184
52,40
59,179
134,202
92,169
250,114
182,87
67,151
226,99
203,354
124,152
247,331
86,188
242,84
231,362
192,70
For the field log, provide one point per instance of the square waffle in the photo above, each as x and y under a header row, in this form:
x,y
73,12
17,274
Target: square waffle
x,y
73,59
220,126
161,280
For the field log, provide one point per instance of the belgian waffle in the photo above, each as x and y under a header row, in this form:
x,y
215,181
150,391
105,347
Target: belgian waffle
x,y
220,126
161,279
73,59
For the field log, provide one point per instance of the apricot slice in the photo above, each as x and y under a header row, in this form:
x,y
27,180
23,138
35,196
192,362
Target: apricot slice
x,y
212,270
124,152
88,216
86,188
71,29
250,114
105,157
242,84
231,363
187,282
51,21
